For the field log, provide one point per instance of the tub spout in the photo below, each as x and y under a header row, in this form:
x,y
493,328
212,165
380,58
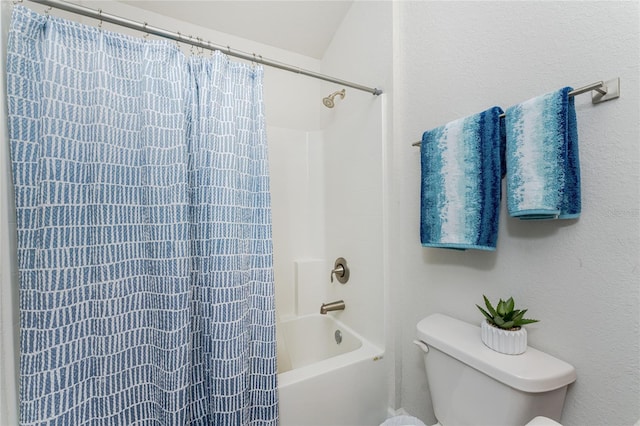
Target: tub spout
x,y
333,306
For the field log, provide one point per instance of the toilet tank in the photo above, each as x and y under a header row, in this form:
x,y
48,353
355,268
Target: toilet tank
x,y
471,384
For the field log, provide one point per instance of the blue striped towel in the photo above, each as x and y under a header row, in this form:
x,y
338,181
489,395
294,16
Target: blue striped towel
x,y
543,170
461,173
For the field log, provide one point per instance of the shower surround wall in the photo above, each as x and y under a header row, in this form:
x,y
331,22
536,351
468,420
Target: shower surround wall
x,y
297,203
580,278
356,141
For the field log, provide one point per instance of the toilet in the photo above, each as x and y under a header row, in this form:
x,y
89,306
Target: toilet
x,y
471,384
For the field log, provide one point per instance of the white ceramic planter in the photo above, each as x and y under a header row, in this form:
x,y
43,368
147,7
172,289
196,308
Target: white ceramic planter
x,y
504,341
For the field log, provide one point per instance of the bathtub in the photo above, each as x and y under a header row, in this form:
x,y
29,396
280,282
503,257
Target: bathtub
x,y
325,383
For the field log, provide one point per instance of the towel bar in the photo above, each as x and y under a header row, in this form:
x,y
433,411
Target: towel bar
x,y
604,91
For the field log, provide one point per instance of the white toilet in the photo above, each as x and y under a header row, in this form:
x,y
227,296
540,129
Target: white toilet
x,y
471,384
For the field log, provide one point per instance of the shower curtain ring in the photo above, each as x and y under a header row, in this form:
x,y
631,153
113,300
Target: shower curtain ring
x,y
144,29
192,47
200,48
100,22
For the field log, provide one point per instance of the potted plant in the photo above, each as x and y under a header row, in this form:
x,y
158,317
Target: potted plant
x,y
502,329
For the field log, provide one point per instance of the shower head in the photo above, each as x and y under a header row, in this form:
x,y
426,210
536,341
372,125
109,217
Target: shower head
x,y
329,102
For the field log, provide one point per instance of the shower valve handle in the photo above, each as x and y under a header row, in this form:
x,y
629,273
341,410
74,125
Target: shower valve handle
x,y
340,270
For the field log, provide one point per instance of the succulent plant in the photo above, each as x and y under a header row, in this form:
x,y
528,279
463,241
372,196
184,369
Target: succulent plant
x,y
504,315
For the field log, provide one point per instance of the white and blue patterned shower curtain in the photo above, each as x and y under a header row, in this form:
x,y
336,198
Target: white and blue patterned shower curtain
x,y
144,236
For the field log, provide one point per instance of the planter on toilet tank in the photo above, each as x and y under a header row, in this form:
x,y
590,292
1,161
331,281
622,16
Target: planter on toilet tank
x,y
502,329
510,342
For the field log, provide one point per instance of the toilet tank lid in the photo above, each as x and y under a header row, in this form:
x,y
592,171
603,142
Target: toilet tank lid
x,y
532,371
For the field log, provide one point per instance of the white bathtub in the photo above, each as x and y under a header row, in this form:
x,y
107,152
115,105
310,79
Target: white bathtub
x,y
325,383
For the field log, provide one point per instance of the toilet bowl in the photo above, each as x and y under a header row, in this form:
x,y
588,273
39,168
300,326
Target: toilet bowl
x,y
471,384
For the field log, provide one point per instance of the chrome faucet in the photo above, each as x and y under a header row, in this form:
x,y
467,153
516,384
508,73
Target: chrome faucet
x,y
333,306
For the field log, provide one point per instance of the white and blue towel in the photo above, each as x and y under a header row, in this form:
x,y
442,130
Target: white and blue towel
x,y
543,171
461,174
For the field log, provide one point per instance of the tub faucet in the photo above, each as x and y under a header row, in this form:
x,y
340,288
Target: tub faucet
x,y
333,306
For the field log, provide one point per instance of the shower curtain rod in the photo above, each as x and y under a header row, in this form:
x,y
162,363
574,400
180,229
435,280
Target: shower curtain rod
x,y
606,90
196,41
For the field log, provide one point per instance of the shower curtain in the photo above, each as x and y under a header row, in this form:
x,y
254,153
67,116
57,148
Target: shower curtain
x,y
144,236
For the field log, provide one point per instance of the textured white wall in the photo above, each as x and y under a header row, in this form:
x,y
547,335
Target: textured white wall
x,y
580,278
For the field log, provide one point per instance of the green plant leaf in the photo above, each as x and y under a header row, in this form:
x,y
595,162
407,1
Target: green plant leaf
x,y
505,315
486,314
507,325
510,304
517,315
489,307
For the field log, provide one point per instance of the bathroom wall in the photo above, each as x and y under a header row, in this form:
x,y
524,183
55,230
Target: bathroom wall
x,y
579,277
450,59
